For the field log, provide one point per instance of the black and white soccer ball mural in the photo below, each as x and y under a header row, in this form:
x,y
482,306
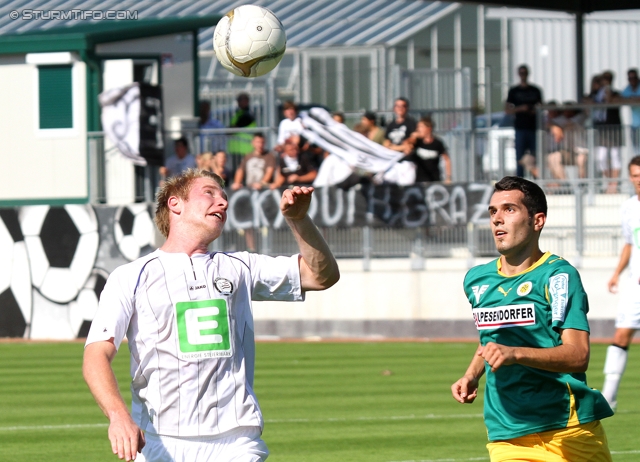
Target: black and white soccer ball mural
x,y
62,243
15,278
134,230
83,309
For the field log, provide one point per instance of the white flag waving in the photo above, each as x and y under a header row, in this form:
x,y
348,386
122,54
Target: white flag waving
x,y
121,120
355,149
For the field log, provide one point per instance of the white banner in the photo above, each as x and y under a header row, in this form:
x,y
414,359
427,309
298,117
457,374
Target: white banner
x,y
121,120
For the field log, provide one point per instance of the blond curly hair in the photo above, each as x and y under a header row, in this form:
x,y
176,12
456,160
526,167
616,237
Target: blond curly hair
x,y
179,186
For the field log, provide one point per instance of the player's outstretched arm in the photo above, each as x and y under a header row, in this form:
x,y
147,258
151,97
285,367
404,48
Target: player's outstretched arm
x,y
571,356
125,436
625,255
465,390
318,267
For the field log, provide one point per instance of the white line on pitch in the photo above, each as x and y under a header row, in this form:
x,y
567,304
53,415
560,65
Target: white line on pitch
x,y
443,460
399,417
330,419
51,427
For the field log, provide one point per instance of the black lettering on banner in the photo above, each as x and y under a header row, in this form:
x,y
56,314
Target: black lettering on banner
x,y
530,313
420,205
437,198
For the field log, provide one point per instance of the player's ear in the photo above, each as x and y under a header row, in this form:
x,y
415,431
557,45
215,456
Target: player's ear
x,y
175,204
539,219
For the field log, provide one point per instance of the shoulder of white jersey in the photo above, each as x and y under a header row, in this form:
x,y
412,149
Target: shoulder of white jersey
x,y
240,257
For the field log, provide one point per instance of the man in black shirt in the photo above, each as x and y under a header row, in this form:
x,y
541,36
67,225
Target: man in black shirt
x,y
427,152
521,102
401,128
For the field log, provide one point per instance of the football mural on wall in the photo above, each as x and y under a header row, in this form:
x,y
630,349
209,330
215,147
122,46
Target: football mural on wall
x,y
55,261
15,278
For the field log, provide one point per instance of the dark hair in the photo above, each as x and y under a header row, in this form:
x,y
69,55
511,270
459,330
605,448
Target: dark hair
x,y
182,140
428,121
289,105
404,100
370,116
338,114
258,135
634,70
523,66
534,199
635,160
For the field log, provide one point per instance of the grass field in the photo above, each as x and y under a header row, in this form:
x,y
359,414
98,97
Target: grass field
x,y
321,401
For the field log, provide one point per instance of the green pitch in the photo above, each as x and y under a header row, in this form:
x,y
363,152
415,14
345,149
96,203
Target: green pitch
x,y
321,401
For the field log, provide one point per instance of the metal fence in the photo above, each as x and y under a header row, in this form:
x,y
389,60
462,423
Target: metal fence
x,y
584,175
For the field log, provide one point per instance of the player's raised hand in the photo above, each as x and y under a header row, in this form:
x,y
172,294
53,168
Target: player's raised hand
x,y
465,390
295,202
126,437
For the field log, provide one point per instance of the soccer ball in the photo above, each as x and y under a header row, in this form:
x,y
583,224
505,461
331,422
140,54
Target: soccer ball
x,y
134,231
15,279
249,41
62,243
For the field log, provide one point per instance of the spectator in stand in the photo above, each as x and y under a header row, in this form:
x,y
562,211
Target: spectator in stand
x,y
567,141
256,169
241,143
180,161
338,116
371,129
289,126
218,165
521,102
631,94
608,131
402,126
203,161
255,172
295,167
426,151
210,142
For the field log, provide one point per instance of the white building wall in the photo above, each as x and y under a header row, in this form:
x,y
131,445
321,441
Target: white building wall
x,y
546,42
40,164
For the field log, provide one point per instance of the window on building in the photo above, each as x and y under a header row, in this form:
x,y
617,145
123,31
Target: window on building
x,y
55,97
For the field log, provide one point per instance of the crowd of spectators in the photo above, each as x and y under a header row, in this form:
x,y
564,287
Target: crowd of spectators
x,y
424,156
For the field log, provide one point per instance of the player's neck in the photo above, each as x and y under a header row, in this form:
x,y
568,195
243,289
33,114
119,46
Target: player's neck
x,y
519,262
189,246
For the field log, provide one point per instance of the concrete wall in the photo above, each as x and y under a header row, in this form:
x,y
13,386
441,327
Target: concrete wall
x,y
391,301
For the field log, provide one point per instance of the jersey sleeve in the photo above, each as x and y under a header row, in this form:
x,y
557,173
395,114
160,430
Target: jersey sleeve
x,y
275,278
627,232
568,299
114,311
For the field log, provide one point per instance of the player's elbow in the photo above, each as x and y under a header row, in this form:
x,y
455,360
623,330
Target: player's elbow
x,y
581,360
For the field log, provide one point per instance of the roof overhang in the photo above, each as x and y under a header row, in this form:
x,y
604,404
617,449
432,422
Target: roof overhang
x,y
85,37
569,6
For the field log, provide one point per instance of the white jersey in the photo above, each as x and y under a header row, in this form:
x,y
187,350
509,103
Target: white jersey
x,y
288,128
631,233
189,324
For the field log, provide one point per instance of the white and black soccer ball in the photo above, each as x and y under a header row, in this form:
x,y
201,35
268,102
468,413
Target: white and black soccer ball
x,y
134,231
15,277
62,243
249,41
83,309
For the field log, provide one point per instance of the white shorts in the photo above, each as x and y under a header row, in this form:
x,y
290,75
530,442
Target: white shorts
x,y
242,445
629,306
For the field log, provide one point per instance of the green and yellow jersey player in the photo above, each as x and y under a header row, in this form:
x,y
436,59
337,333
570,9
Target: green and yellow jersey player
x,y
530,309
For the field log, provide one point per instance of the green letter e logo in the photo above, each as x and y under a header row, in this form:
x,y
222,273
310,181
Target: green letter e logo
x,y
203,329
